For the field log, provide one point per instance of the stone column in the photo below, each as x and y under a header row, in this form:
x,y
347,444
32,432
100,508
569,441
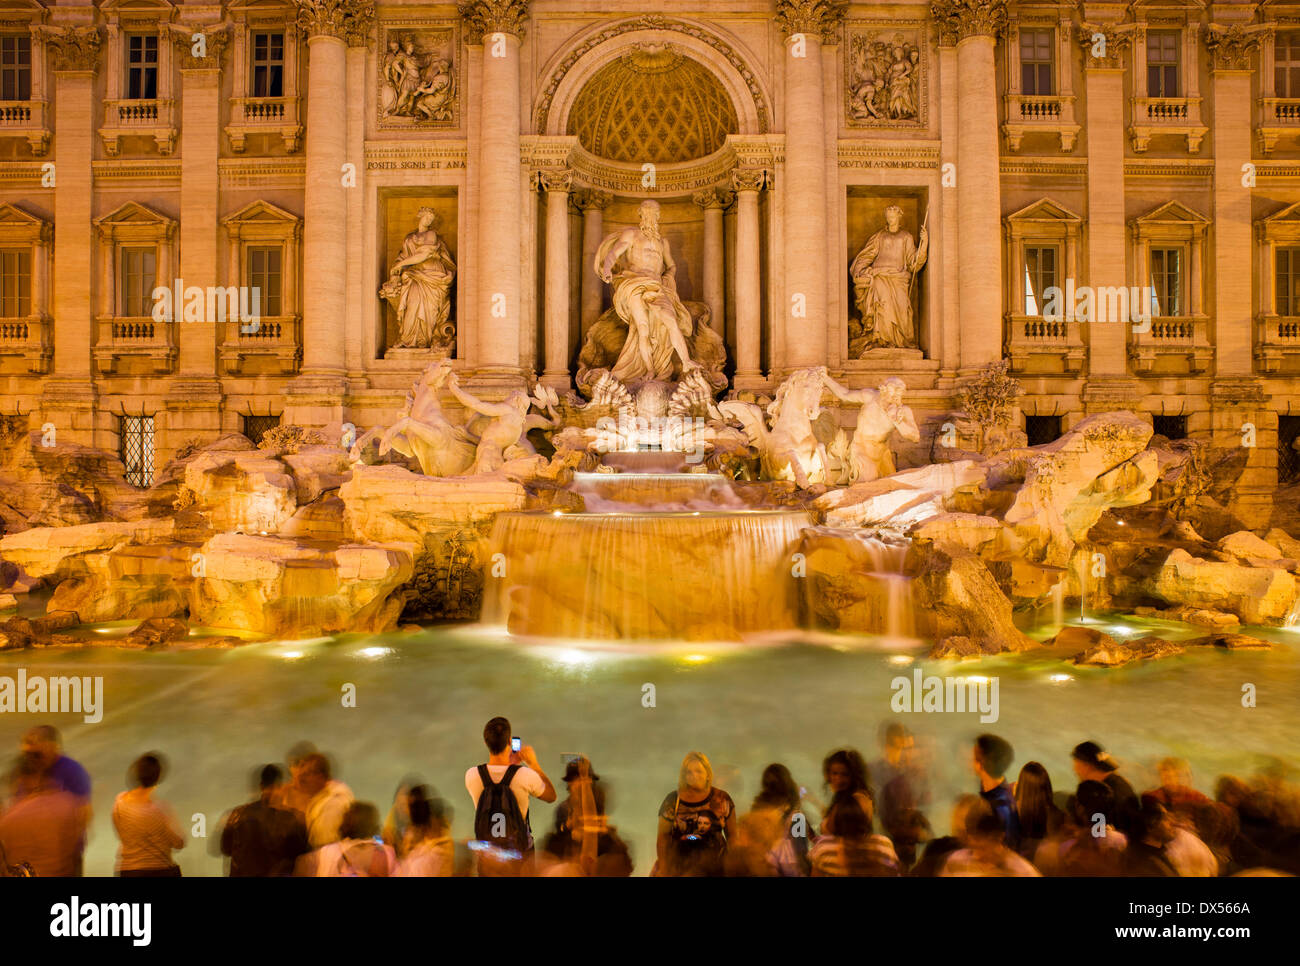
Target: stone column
x,y
714,201
748,182
69,394
194,395
592,204
1237,398
498,25
1108,384
804,314
317,395
556,184
975,26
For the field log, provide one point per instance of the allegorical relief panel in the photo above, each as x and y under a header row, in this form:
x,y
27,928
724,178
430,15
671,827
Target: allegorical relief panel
x,y
418,87
884,83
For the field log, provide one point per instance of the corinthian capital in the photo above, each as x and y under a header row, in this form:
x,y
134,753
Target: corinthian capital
x,y
349,20
585,198
483,17
73,48
1104,44
1231,47
817,17
713,197
959,19
749,179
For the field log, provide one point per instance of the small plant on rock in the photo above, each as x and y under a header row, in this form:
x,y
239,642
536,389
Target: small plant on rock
x,y
290,438
989,400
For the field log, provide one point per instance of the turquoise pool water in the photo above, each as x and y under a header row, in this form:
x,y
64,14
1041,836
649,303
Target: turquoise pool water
x,y
422,699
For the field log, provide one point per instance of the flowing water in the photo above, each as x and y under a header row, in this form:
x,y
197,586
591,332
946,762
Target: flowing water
x,y
422,699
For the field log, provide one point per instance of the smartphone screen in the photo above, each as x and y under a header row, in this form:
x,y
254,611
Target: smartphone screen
x,y
516,744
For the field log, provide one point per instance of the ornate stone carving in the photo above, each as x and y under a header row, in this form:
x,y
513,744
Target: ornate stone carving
x,y
821,18
417,79
882,414
883,275
1105,44
585,198
349,20
73,48
418,288
883,82
484,17
959,19
556,180
749,179
789,448
713,198
1232,47
215,41
653,22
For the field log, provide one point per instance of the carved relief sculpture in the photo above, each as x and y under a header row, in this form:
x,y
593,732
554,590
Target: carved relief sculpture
x,y
416,77
883,275
882,414
418,288
884,82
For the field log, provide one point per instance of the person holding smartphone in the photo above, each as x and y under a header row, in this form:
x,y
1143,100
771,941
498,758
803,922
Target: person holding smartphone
x,y
504,785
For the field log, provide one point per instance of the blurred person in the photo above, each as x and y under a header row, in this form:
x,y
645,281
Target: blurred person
x,y
146,826
845,771
1037,816
848,846
397,823
965,811
292,795
1092,763
584,843
503,786
1217,826
991,756
1175,791
427,847
695,823
45,744
780,830
259,838
1087,844
328,803
44,826
985,853
902,788
1146,854
357,852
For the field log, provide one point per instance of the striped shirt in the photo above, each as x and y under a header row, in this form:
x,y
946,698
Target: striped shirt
x,y
874,855
148,831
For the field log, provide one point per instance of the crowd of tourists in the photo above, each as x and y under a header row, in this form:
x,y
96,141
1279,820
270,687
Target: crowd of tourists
x,y
865,820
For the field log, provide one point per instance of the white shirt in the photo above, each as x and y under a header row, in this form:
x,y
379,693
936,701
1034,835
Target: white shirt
x,y
525,783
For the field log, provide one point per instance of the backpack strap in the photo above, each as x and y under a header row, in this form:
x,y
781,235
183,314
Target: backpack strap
x,y
511,771
484,777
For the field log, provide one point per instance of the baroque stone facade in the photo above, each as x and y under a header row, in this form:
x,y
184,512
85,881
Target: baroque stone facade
x,y
1147,155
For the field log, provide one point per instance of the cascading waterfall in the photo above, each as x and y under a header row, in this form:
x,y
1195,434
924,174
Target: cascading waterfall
x,y
884,586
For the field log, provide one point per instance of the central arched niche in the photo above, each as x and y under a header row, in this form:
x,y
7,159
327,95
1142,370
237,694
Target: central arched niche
x,y
653,104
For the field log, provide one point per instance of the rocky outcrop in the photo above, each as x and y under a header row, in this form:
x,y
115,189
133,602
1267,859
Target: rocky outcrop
x,y
956,596
851,581
241,492
902,500
135,582
1149,648
317,470
60,552
277,587
47,483
1185,614
1257,595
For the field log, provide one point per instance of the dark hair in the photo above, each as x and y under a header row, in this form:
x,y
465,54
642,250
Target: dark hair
x,y
316,762
45,733
360,821
859,777
147,770
1034,800
893,731
985,825
496,735
271,776
1092,798
777,787
299,751
995,754
849,821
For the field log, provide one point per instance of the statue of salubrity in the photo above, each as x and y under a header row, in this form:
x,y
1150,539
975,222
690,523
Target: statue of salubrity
x,y
418,288
884,274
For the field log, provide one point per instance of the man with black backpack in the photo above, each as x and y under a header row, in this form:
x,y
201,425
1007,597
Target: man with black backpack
x,y
500,789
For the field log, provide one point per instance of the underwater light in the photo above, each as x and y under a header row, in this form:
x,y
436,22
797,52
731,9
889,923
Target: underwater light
x,y
1060,678
375,651
900,659
291,655
696,658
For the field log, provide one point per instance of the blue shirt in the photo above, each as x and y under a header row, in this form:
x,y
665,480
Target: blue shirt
x,y
70,777
1004,807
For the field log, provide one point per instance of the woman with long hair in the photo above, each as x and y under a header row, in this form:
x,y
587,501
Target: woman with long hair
x,y
1038,815
845,773
695,823
848,845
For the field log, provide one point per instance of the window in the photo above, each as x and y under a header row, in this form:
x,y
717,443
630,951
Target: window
x,y
1288,281
1286,64
1040,275
255,427
1288,460
15,68
1042,429
137,283
268,65
1162,63
1166,281
136,450
15,284
1036,74
264,277
1170,427
142,67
